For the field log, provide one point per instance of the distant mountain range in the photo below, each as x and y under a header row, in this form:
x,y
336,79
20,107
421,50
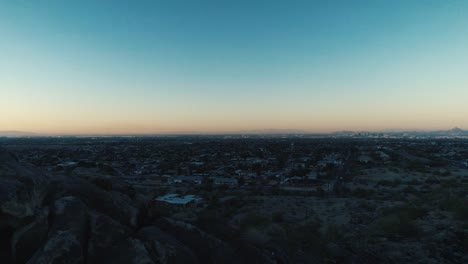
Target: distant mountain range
x,y
13,133
451,132
434,133
454,132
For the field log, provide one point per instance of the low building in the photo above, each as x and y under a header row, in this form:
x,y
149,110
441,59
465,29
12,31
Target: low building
x,y
364,159
177,200
224,181
312,176
187,179
293,180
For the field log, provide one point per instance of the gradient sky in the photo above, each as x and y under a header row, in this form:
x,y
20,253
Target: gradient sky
x,y
106,67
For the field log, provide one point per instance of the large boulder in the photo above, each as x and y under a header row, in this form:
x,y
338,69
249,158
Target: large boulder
x,y
164,248
207,248
29,238
22,191
105,232
103,180
114,204
68,234
130,251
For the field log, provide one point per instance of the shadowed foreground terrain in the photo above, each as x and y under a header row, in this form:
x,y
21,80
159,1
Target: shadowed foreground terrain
x,y
400,206
69,220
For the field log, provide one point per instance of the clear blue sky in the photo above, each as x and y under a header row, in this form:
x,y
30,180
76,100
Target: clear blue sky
x,y
160,66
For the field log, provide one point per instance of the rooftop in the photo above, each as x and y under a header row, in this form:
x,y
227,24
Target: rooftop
x,y
175,198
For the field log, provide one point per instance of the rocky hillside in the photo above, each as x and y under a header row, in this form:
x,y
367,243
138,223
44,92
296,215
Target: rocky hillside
x,y
68,219
85,216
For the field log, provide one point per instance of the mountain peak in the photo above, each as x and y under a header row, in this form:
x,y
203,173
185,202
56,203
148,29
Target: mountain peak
x,y
456,129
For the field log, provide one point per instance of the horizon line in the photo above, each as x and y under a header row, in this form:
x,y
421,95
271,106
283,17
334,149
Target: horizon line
x,y
208,133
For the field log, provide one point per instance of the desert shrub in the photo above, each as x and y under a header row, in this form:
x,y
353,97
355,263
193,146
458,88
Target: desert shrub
x,y
278,217
362,193
438,162
457,205
465,242
333,233
413,182
207,216
410,189
320,192
442,172
426,188
445,173
254,220
367,206
408,211
399,220
103,183
416,166
396,182
362,181
308,238
256,192
275,191
390,183
396,196
306,235
255,237
223,187
396,225
449,183
432,180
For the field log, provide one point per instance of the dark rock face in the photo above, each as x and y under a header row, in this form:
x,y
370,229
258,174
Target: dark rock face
x,y
164,248
207,248
28,239
22,191
105,232
67,237
130,251
60,248
5,245
104,181
70,214
116,205
73,219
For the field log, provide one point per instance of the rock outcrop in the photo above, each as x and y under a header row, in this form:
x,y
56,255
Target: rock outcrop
x,y
129,251
114,204
67,239
165,248
207,247
29,238
104,233
22,191
74,219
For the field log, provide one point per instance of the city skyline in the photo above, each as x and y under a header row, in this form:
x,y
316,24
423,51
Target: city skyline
x,y
153,67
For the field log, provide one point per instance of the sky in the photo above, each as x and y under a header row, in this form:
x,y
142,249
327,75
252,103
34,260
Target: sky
x,y
144,67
